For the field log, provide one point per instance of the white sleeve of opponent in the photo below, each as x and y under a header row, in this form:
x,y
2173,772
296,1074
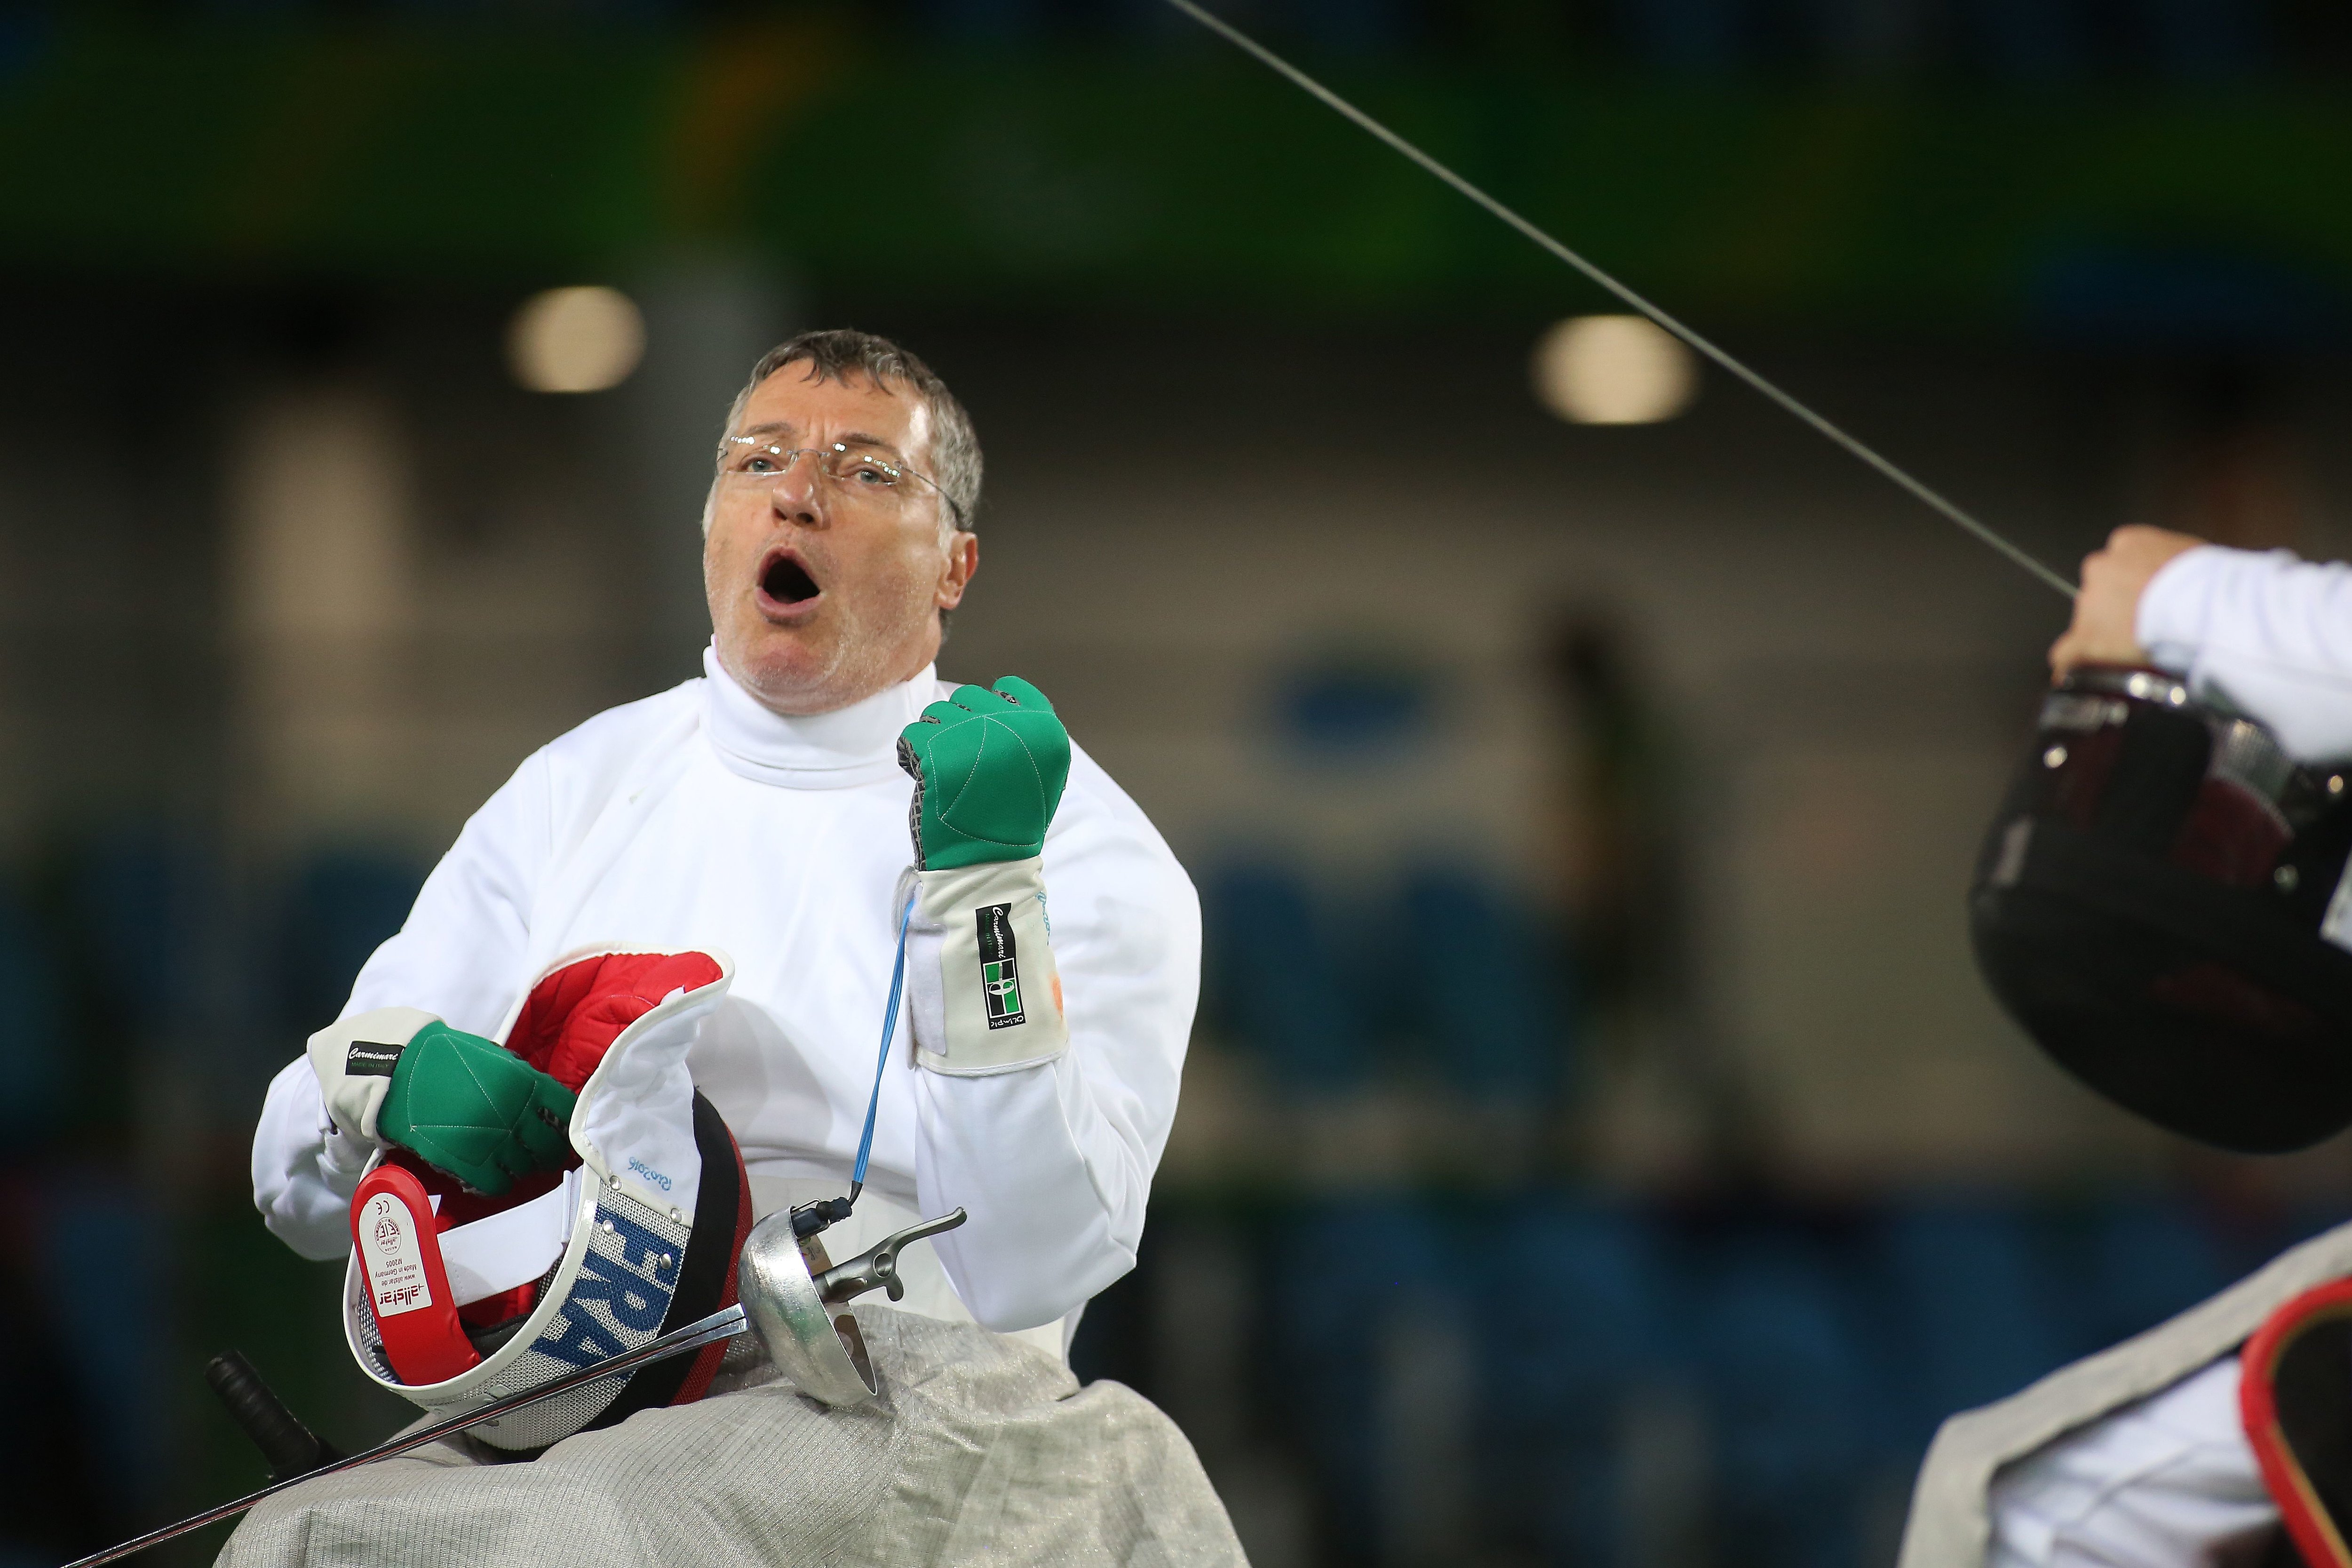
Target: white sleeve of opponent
x,y
458,956
2269,633
1054,1163
2169,1482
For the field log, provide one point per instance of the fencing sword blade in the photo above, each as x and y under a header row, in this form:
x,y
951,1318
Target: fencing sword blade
x,y
720,1325
1853,445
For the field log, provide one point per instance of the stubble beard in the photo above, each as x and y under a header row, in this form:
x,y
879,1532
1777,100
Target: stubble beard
x,y
803,675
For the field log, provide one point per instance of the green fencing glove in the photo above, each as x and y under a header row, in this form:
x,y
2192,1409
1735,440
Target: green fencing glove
x,y
983,993
463,1104
989,767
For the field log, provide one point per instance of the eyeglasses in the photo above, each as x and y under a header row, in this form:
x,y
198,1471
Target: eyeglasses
x,y
860,473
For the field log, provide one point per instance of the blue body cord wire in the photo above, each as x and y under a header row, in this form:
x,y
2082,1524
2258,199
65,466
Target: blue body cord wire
x,y
882,1053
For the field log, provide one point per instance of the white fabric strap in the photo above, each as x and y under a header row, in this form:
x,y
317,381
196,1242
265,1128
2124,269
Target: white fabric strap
x,y
983,995
513,1247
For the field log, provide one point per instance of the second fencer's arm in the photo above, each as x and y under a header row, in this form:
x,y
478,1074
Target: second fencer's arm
x,y
2267,634
2106,626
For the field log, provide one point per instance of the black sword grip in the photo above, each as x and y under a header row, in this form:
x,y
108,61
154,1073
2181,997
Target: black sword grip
x,y
291,1448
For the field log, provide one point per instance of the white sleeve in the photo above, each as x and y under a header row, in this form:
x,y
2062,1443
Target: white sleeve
x,y
2267,632
304,1168
2168,1483
459,955
1054,1163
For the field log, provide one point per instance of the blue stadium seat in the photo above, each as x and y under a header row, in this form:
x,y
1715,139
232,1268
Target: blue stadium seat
x,y
1275,982
149,909
1350,1278
339,910
2148,1259
2299,1223
1569,1306
1499,1016
1793,1403
103,1263
1980,1317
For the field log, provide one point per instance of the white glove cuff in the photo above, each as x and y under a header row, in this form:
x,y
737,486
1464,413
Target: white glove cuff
x,y
984,995
353,1059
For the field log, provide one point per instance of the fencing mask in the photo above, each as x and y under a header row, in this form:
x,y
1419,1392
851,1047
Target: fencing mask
x,y
453,1298
2162,903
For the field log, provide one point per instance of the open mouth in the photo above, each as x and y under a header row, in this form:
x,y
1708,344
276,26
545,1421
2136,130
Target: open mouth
x,y
787,582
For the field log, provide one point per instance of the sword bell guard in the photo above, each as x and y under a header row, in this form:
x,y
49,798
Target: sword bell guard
x,y
790,1290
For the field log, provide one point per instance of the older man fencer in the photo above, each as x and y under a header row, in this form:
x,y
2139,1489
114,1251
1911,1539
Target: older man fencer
x,y
2139,1457
813,824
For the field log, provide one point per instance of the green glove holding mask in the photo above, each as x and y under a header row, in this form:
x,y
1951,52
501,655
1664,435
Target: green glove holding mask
x,y
983,993
463,1104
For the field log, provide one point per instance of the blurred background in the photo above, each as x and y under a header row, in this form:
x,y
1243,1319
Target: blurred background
x,y
1596,1147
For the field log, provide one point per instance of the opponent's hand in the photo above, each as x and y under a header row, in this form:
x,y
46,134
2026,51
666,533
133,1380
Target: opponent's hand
x,y
988,768
2106,628
472,1107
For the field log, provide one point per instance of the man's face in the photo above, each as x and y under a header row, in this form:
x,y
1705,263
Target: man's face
x,y
821,594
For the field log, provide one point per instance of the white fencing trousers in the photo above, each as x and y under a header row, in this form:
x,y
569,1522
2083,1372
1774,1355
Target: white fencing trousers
x,y
980,1453
2167,1482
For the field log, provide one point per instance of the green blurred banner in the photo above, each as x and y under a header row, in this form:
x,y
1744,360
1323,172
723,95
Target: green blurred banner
x,y
1182,177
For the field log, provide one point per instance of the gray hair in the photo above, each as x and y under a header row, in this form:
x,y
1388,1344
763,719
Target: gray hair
x,y
836,353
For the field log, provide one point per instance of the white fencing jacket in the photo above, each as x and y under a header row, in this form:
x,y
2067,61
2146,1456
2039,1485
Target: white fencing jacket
x,y
2268,632
699,818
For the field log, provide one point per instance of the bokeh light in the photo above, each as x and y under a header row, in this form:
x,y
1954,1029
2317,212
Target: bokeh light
x,y
576,340
1614,369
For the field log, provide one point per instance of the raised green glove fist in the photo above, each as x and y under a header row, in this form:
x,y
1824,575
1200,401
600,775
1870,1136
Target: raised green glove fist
x,y
988,768
472,1107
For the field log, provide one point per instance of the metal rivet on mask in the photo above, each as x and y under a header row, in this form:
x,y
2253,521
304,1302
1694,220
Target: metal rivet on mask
x,y
677,1216
2056,757
2287,878
608,1227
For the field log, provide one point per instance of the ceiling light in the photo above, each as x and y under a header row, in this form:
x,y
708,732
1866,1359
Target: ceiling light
x,y
1614,369
575,339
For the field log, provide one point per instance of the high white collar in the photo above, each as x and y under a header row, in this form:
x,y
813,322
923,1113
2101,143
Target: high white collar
x,y
854,745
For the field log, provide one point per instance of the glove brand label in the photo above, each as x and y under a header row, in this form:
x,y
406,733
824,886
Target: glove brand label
x,y
395,1265
1000,972
369,1058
